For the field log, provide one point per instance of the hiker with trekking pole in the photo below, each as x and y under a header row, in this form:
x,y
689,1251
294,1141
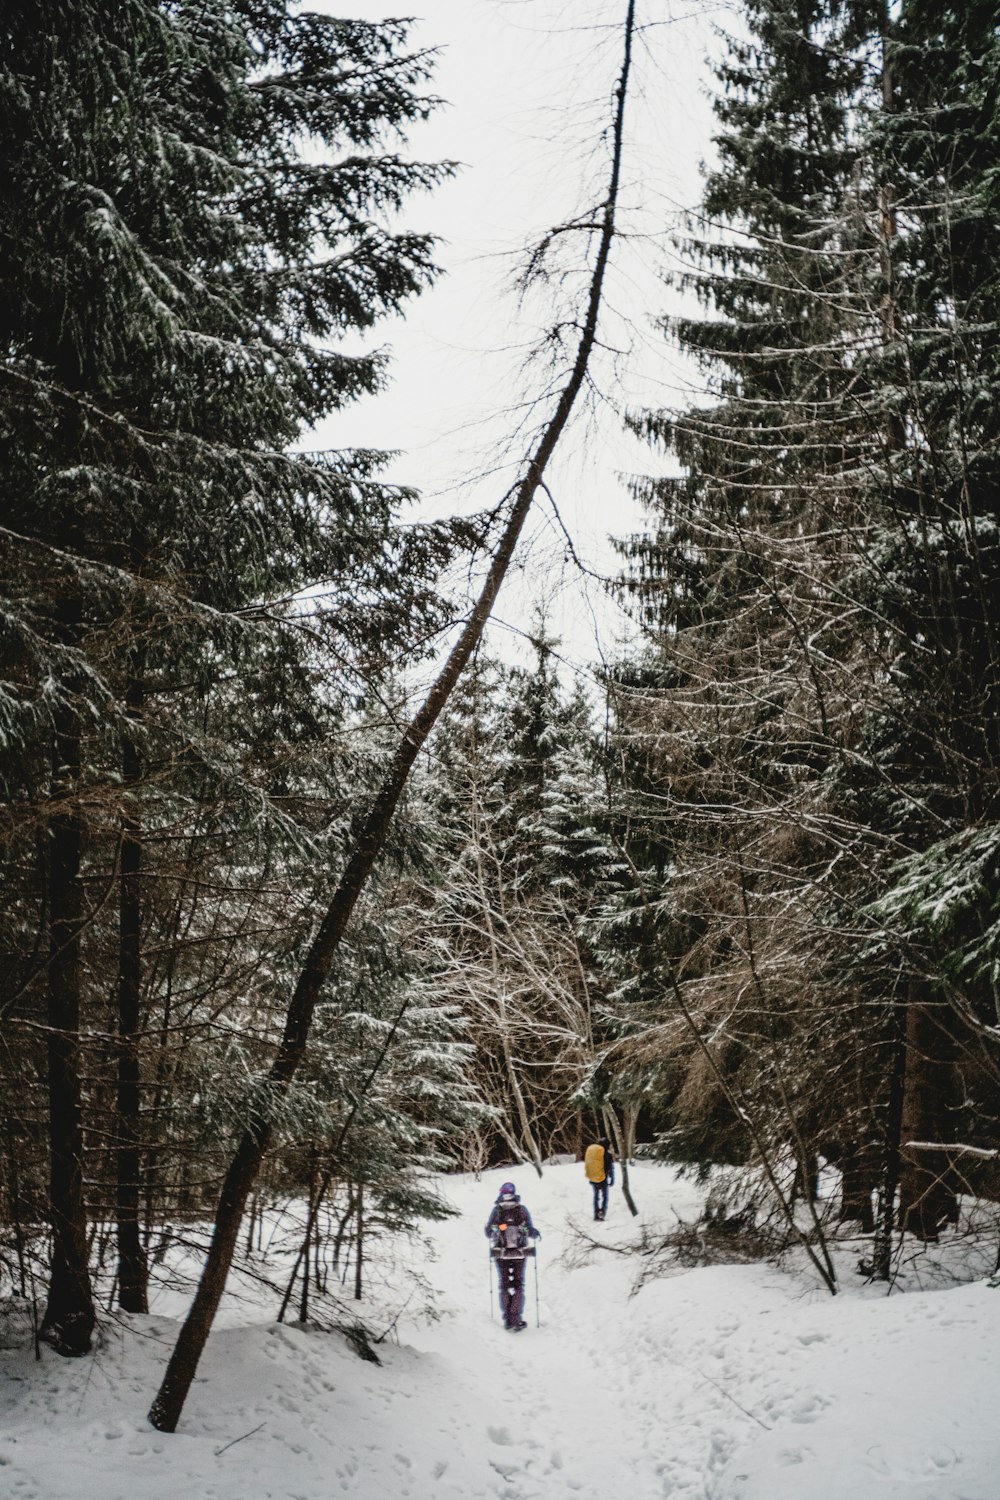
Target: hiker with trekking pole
x,y
509,1229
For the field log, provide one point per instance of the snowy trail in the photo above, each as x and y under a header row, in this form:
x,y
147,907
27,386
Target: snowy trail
x,y
515,1414
724,1383
553,1399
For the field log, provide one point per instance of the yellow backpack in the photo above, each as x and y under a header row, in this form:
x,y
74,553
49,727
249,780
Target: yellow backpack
x,y
593,1163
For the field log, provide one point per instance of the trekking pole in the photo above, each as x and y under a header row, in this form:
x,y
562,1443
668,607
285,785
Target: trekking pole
x,y
489,1253
538,1320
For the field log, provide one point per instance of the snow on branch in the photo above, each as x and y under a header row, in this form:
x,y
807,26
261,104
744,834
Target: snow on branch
x,y
953,1149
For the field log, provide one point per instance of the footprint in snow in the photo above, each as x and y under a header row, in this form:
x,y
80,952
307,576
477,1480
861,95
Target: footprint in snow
x,y
808,1408
792,1456
909,1467
508,1469
499,1435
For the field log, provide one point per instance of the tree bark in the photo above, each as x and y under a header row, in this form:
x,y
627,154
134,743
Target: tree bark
x,y
314,1198
927,1197
132,1269
359,1245
69,1317
168,1404
882,1247
14,1206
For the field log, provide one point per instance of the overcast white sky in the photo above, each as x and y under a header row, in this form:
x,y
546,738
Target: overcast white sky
x,y
527,85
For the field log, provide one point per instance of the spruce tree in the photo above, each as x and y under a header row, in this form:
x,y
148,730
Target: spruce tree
x,y
729,725
812,734
932,579
189,225
522,859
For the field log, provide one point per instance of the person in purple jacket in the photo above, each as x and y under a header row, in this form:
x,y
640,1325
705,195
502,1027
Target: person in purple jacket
x,y
510,1213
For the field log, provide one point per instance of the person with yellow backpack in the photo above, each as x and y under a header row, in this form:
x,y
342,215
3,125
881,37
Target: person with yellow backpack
x,y
599,1165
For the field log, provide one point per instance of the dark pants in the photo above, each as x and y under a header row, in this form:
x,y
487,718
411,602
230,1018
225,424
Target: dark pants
x,y
600,1197
510,1274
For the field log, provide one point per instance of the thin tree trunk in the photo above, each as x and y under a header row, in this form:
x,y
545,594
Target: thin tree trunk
x,y
69,1314
621,1147
14,1205
167,1406
156,1153
359,1245
514,1084
338,1239
314,1197
806,1182
823,1267
315,1201
527,1136
859,1162
882,1246
132,1269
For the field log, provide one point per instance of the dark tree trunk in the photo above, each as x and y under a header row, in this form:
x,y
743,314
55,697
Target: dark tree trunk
x,y
14,1206
927,1198
132,1270
69,1316
154,1153
312,1230
359,1245
316,1196
882,1246
341,1235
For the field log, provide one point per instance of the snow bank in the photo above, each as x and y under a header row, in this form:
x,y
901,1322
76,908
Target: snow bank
x,y
723,1383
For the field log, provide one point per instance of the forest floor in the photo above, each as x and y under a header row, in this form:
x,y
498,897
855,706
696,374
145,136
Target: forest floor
x,y
726,1382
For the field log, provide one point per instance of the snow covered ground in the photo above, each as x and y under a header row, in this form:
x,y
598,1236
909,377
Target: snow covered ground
x,y
722,1383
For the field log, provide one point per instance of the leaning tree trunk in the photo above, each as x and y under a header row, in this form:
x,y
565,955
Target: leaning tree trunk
x,y
168,1404
69,1316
